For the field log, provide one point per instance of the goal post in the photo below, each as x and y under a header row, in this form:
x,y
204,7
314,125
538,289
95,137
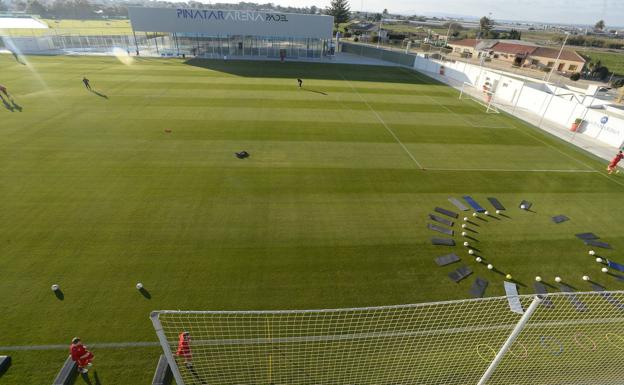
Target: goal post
x,y
483,97
571,338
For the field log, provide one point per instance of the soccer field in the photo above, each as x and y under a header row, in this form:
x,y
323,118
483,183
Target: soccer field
x,y
329,211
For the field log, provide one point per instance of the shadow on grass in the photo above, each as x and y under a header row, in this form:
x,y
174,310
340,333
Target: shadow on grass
x,y
316,92
145,293
307,70
59,294
99,94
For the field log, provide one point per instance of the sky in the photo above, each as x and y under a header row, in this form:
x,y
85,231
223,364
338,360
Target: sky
x,y
553,11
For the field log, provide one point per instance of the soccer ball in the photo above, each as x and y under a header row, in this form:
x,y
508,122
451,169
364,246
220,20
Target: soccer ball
x,y
523,207
474,214
471,251
490,266
464,233
599,260
508,276
478,259
55,287
592,252
497,211
139,286
538,279
586,278
487,213
465,218
464,226
466,244
605,270
557,279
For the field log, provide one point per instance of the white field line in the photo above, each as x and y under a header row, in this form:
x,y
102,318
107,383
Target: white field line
x,y
103,345
336,337
384,124
509,170
522,131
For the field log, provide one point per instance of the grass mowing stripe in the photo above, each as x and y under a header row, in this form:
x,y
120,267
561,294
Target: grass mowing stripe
x,y
385,125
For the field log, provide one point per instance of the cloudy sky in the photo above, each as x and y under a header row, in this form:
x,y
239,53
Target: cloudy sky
x,y
563,11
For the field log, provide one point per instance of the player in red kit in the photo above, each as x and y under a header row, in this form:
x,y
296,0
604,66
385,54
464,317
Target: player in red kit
x,y
184,352
81,355
614,162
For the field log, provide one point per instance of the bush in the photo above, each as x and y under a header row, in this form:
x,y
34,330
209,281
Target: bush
x,y
575,76
356,39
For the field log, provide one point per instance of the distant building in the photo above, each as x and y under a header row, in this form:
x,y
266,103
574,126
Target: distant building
x,y
520,53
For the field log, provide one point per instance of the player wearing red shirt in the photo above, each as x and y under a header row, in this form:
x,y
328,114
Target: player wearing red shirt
x,y
80,355
184,347
614,162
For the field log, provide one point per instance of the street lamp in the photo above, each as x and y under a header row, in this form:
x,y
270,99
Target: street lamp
x,y
558,56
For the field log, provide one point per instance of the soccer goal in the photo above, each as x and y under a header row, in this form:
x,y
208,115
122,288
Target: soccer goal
x,y
484,96
561,338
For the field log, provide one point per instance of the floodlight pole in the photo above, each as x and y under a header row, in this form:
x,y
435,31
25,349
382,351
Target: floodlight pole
x,y
379,33
558,56
510,340
166,349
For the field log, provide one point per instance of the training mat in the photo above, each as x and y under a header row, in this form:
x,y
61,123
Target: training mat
x,y
438,219
446,259
591,242
527,205
578,305
586,236
446,212
440,229
458,204
540,288
616,266
460,273
560,218
477,290
511,290
473,203
443,241
496,203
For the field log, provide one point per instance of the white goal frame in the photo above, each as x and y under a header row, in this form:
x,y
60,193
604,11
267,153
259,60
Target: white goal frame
x,y
475,341
483,97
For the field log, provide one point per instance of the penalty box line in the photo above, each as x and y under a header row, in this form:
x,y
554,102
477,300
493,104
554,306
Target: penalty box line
x,y
103,345
511,170
380,119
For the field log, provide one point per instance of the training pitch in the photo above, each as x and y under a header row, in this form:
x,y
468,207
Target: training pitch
x,y
138,182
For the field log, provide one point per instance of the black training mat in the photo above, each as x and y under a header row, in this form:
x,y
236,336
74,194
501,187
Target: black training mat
x,y
443,241
460,273
438,219
496,203
578,305
440,229
560,218
591,242
458,204
527,205
478,287
446,259
446,212
242,154
586,236
540,288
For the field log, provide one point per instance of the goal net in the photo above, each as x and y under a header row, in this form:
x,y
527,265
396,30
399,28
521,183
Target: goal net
x,y
567,339
483,96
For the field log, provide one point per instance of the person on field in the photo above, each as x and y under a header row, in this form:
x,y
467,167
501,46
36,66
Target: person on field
x,y
614,162
184,352
86,83
300,82
81,355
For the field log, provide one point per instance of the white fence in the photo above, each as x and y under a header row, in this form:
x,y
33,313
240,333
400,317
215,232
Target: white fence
x,y
559,105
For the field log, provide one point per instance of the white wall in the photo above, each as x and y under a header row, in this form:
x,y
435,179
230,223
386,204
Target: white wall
x,y
540,99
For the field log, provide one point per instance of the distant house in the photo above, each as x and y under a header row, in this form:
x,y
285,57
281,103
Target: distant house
x,y
471,47
569,61
514,53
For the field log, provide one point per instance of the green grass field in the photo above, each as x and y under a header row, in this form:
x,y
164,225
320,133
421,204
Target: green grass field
x,y
612,60
329,211
77,27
